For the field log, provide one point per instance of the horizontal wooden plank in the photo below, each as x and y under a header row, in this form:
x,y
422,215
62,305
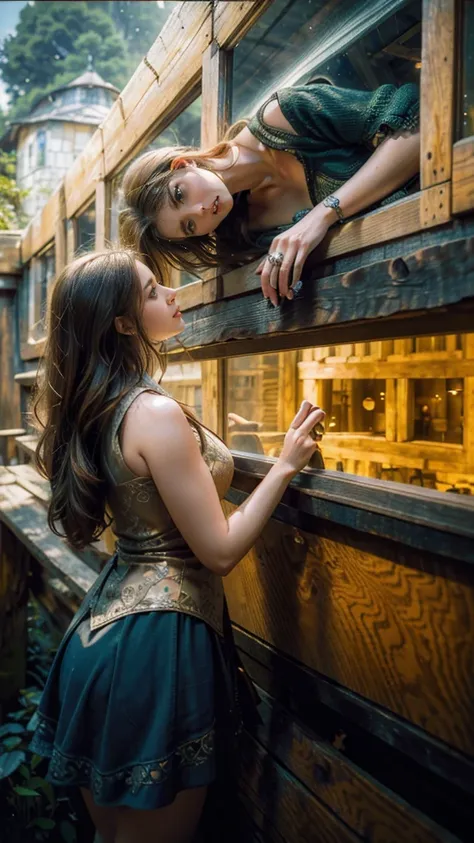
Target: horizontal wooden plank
x,y
391,623
26,378
428,508
232,20
408,367
438,276
368,808
32,350
463,176
287,805
28,478
26,518
328,708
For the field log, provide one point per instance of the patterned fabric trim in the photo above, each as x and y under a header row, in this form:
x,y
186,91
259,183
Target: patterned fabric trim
x,y
66,771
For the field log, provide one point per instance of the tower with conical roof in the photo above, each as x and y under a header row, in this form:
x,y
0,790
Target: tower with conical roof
x,y
55,132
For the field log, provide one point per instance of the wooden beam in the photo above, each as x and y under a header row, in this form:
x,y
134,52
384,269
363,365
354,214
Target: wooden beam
x,y
388,510
80,180
101,214
463,176
435,277
348,606
355,797
437,92
164,83
312,698
60,241
407,368
233,20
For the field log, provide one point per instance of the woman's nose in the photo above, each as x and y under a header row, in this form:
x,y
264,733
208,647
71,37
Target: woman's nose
x,y
171,298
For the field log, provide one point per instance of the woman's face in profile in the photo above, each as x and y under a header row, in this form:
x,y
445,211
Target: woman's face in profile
x,y
197,201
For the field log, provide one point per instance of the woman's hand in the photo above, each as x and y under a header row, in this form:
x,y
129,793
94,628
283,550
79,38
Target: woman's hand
x,y
299,445
295,245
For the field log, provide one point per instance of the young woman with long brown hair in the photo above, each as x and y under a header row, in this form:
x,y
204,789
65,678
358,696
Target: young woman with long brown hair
x,y
313,155
140,709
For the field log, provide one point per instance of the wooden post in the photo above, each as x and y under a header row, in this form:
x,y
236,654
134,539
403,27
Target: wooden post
x,y
437,111
100,215
216,91
405,409
60,243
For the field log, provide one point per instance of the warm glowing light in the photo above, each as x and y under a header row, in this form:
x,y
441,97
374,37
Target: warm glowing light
x,y
418,65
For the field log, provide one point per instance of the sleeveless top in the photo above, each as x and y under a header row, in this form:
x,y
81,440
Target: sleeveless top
x,y
337,130
155,569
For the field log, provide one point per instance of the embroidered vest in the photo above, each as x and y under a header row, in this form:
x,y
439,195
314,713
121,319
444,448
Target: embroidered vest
x,y
155,569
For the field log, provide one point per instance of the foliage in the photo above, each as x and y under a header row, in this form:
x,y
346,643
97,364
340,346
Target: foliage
x,y
55,41
11,197
34,812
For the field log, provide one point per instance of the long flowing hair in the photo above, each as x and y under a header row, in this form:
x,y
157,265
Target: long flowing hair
x,y
88,368
145,190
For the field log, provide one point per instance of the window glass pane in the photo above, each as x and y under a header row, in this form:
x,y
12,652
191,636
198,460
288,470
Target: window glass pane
x,y
353,45
388,414
85,231
185,130
183,382
467,103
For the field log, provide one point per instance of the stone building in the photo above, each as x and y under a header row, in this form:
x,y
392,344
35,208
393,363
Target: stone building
x,y
55,133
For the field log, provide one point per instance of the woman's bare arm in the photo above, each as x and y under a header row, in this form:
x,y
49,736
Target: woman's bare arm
x,y
160,431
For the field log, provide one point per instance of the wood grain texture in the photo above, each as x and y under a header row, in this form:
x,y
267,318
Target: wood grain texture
x,y
26,518
368,808
463,176
391,624
10,415
101,213
433,277
437,91
162,89
287,806
60,244
435,205
10,252
232,20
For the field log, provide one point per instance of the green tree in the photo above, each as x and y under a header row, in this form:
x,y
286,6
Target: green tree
x,y
11,197
140,23
52,45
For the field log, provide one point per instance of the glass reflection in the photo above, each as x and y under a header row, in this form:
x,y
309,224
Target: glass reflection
x,y
388,413
467,101
295,42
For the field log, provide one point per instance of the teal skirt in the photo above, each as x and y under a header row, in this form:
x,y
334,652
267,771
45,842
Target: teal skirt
x,y
140,709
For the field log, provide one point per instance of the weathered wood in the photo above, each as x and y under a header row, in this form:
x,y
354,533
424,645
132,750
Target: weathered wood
x,y
28,478
43,223
368,808
26,378
26,518
233,20
409,367
435,205
14,566
287,805
463,176
60,243
9,391
437,91
379,507
392,624
174,69
330,710
434,277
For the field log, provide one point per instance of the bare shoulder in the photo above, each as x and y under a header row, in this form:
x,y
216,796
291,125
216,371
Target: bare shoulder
x,y
158,416
274,117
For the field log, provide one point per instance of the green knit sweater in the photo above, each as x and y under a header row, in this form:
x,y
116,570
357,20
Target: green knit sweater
x,y
337,130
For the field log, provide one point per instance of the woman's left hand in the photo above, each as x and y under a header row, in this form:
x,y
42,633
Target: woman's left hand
x,y
295,245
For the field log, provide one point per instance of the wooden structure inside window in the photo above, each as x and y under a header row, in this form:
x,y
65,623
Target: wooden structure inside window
x,y
354,612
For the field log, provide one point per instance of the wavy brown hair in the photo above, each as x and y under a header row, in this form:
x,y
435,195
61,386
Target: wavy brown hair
x,y
145,189
88,368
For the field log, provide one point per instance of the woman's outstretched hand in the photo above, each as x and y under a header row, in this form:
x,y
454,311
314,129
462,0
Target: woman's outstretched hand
x,y
299,445
294,245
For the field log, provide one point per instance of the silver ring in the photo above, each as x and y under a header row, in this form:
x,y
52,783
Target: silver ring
x,y
276,258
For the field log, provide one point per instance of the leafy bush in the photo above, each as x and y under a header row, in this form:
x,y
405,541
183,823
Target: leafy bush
x,y
34,812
